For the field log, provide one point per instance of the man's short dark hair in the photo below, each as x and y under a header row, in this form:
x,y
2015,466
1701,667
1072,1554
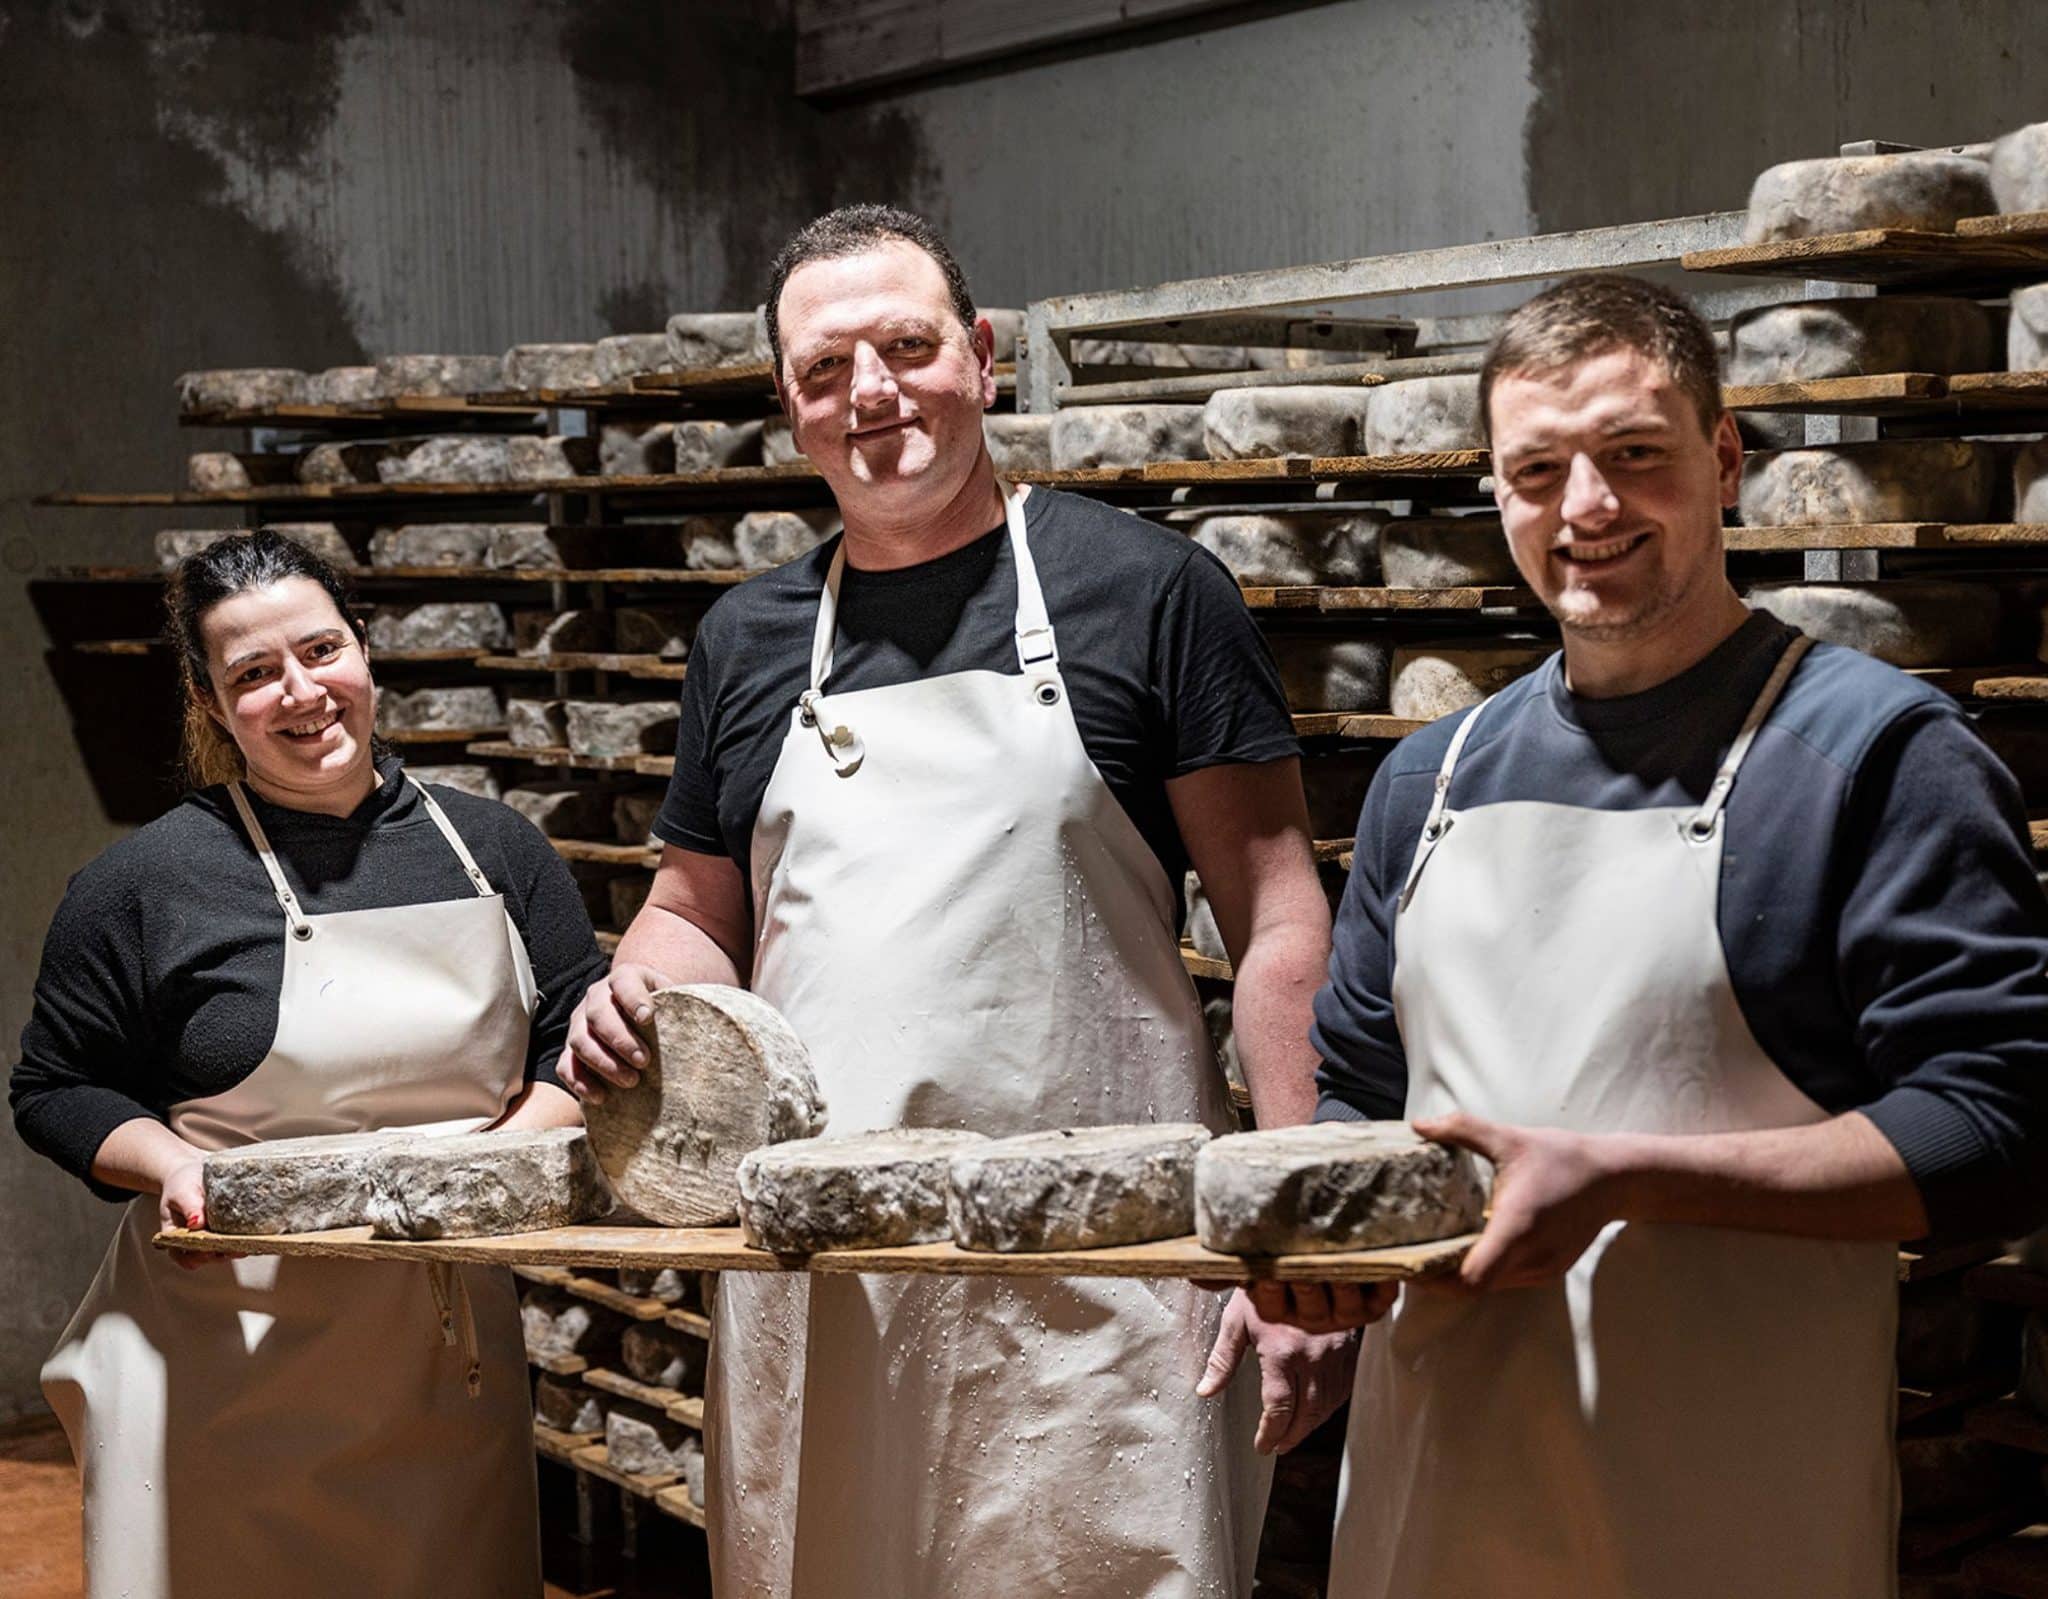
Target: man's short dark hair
x,y
851,230
1604,311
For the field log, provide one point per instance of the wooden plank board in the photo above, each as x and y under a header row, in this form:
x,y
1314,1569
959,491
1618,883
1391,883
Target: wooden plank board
x,y
2012,1422
1355,725
633,1306
1926,1538
2006,1281
2015,1566
495,749
1839,536
1918,1404
1884,255
1872,394
1200,965
1919,1266
552,1443
1390,599
438,735
2005,225
655,765
1999,391
357,413
553,1365
594,1459
654,669
722,1249
689,1321
554,574
385,657
575,661
675,1501
685,1409
590,849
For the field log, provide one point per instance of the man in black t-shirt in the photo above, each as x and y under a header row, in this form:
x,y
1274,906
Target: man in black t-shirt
x,y
936,785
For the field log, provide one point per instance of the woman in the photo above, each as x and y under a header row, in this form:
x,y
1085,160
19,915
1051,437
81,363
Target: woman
x,y
311,942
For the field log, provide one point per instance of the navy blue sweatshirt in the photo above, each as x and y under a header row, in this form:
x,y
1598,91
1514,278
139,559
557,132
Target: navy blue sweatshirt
x,y
1884,929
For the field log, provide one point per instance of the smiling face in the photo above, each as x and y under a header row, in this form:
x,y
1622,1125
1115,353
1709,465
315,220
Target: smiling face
x,y
292,686
884,386
1611,491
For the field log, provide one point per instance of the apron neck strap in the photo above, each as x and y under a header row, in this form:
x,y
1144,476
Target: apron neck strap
x,y
1037,651
440,818
301,927
1701,827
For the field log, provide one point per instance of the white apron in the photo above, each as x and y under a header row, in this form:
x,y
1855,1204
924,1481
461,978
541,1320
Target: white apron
x,y
1693,1413
322,1427
958,917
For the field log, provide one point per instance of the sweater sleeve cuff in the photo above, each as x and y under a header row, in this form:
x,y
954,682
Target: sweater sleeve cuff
x,y
69,1127
1329,1108
1944,1154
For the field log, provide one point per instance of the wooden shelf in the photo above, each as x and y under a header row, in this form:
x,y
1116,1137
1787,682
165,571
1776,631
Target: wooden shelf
x,y
2006,225
554,574
1921,1266
586,661
686,1410
551,1443
1971,536
2006,1281
382,657
2012,1422
360,413
584,849
496,750
675,1501
723,1249
689,1321
1898,394
558,1365
1887,256
2015,1566
437,735
1918,1404
1355,725
594,1459
1200,965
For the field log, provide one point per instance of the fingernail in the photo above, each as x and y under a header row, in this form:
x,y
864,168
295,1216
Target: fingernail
x,y
644,1014
629,1080
638,1057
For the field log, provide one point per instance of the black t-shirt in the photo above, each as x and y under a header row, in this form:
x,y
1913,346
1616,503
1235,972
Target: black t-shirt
x,y
1164,667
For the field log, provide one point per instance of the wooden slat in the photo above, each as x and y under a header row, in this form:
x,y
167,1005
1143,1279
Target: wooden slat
x,y
576,661
655,765
653,669
590,849
2015,1566
384,657
608,941
553,1365
1999,391
555,574
594,1459
1885,255
634,1307
723,1249
554,1444
1840,536
675,1501
1926,1538
497,750
1921,1266
2012,1422
1354,724
2006,225
1390,599
438,735
359,413
684,1409
689,1321
1874,394
1200,965
1918,1404
2006,1281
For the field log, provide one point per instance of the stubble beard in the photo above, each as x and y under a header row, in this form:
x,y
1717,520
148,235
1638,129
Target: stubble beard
x,y
1666,596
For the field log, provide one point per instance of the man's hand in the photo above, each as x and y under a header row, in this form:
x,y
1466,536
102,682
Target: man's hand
x,y
1552,1193
1303,1376
605,1045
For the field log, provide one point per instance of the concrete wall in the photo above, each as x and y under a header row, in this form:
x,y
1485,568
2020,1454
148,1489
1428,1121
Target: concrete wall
x,y
221,182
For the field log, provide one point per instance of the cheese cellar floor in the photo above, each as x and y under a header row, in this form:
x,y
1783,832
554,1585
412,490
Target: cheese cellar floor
x,y
40,1539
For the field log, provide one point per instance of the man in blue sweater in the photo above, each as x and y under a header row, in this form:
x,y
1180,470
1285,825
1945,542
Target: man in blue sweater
x,y
1726,950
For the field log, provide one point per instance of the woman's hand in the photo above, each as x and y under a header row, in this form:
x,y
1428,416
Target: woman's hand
x,y
182,1203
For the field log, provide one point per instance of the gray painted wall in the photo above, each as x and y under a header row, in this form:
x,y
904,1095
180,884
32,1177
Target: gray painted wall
x,y
211,182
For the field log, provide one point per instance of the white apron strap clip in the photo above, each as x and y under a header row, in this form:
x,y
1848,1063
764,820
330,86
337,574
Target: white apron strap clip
x,y
1038,649
1439,820
301,927
843,747
1701,825
440,818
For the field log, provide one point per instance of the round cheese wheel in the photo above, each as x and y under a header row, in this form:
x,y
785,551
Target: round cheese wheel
x,y
1923,189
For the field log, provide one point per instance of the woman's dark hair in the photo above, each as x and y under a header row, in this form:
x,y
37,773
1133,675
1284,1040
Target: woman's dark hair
x,y
225,568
